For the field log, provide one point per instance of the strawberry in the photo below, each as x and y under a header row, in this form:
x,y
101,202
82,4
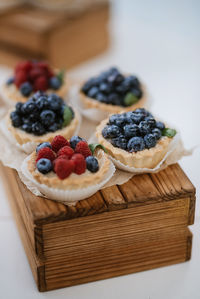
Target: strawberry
x,y
58,142
41,83
83,148
20,78
47,153
63,168
67,151
80,164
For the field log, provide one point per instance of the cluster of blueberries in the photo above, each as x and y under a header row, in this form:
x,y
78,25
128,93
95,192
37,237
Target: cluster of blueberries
x,y
133,131
42,113
112,87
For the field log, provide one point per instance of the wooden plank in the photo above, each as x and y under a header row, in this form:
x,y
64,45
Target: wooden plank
x,y
113,198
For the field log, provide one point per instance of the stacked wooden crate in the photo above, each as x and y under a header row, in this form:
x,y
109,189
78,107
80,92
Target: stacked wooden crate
x,y
140,225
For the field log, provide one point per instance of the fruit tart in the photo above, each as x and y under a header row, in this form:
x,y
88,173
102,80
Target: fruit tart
x,y
40,119
113,92
135,138
32,76
68,170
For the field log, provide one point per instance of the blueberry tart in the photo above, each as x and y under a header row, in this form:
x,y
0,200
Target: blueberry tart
x,y
41,118
68,170
113,92
135,138
31,76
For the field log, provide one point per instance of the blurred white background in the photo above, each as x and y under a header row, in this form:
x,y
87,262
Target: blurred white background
x,y
160,42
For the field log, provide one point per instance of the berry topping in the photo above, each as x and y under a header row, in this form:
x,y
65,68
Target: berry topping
x,y
58,142
74,140
111,87
66,151
63,168
92,164
41,114
37,75
83,148
135,131
80,164
47,153
42,145
44,165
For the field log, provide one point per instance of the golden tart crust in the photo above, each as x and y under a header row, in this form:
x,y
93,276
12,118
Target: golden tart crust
x,y
22,137
13,93
74,181
148,158
92,103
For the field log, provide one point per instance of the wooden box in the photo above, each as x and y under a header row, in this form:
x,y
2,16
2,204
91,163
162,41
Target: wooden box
x,y
140,225
61,38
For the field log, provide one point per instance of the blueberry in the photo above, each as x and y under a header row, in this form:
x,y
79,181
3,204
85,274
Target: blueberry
x,y
149,140
136,144
137,92
33,116
114,99
92,164
27,127
122,88
117,119
74,140
38,129
151,121
136,117
105,132
47,117
132,81
93,92
42,145
42,102
101,97
112,131
28,107
130,130
144,128
55,83
10,81
16,119
38,94
54,102
113,70
120,142
115,78
105,88
157,133
18,108
54,127
160,125
88,85
44,165
26,89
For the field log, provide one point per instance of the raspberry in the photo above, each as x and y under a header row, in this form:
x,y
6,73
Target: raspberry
x,y
60,157
20,78
63,168
83,148
47,153
67,151
35,73
58,142
23,66
41,83
80,164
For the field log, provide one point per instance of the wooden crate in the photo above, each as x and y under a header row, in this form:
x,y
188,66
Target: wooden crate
x,y
140,225
63,39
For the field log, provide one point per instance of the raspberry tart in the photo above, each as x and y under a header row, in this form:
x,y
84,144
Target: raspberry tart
x,y
68,170
135,138
113,92
32,76
40,119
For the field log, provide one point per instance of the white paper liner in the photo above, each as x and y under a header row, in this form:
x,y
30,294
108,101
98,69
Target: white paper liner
x,y
30,146
69,197
93,114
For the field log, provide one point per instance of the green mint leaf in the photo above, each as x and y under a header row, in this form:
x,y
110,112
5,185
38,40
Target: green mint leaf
x,y
61,75
67,116
94,146
168,132
130,99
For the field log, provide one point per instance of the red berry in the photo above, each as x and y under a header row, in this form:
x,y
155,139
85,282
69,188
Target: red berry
x,y
63,168
35,73
80,164
47,153
41,83
67,151
20,78
83,148
58,142
23,66
60,157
